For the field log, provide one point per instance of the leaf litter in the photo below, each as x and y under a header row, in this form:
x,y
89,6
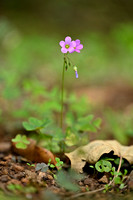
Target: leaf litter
x,y
92,152
18,173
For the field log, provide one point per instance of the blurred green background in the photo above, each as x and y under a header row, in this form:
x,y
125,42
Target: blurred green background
x,y
31,60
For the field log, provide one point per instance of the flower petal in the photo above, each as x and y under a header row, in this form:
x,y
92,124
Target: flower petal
x,y
77,50
80,46
64,50
76,73
62,43
73,44
77,42
68,40
71,49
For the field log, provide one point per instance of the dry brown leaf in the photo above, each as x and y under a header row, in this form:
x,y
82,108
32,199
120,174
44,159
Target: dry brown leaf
x,y
35,153
5,147
92,152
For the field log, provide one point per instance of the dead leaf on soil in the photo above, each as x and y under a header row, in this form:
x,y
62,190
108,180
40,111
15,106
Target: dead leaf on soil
x,y
5,147
35,153
92,152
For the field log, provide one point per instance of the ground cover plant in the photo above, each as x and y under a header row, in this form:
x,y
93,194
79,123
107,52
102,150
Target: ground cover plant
x,y
49,130
60,133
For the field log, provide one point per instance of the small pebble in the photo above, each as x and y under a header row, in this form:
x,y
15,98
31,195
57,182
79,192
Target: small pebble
x,y
17,167
25,181
19,175
130,184
81,183
1,155
9,157
4,178
83,189
87,181
14,181
50,177
5,171
28,196
3,163
103,179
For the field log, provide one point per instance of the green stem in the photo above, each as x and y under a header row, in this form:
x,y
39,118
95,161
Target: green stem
x,y
62,95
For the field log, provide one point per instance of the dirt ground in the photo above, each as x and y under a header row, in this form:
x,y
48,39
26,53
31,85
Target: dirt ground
x,y
14,169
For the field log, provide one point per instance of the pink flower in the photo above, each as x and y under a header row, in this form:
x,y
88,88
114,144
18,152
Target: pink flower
x,y
68,45
78,46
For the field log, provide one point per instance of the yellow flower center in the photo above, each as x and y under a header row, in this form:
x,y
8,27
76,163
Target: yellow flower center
x,y
67,46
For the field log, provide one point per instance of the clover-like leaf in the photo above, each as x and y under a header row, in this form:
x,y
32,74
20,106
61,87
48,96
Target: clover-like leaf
x,y
21,141
35,124
21,145
17,138
24,139
59,163
43,167
103,166
88,123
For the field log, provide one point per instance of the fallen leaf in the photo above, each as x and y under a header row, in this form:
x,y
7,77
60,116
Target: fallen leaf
x,y
5,146
34,153
92,152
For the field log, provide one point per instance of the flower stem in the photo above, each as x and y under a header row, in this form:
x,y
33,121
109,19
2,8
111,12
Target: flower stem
x,y
62,95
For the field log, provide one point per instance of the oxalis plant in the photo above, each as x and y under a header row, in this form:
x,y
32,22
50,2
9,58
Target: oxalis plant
x,y
46,131
108,166
68,46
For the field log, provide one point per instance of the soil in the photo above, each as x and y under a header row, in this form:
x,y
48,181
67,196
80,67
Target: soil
x,y
119,96
42,185
14,170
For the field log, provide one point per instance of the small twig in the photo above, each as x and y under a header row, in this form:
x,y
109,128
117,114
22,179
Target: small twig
x,y
98,190
119,167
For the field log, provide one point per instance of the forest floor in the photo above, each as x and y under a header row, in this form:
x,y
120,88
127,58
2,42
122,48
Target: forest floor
x,y
32,184
19,178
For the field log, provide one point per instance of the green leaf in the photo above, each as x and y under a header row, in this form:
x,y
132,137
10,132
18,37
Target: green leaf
x,y
71,137
13,187
97,122
117,161
88,124
28,164
24,139
69,178
91,166
17,138
110,159
21,145
125,172
103,166
122,185
57,159
34,124
117,180
21,141
52,166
